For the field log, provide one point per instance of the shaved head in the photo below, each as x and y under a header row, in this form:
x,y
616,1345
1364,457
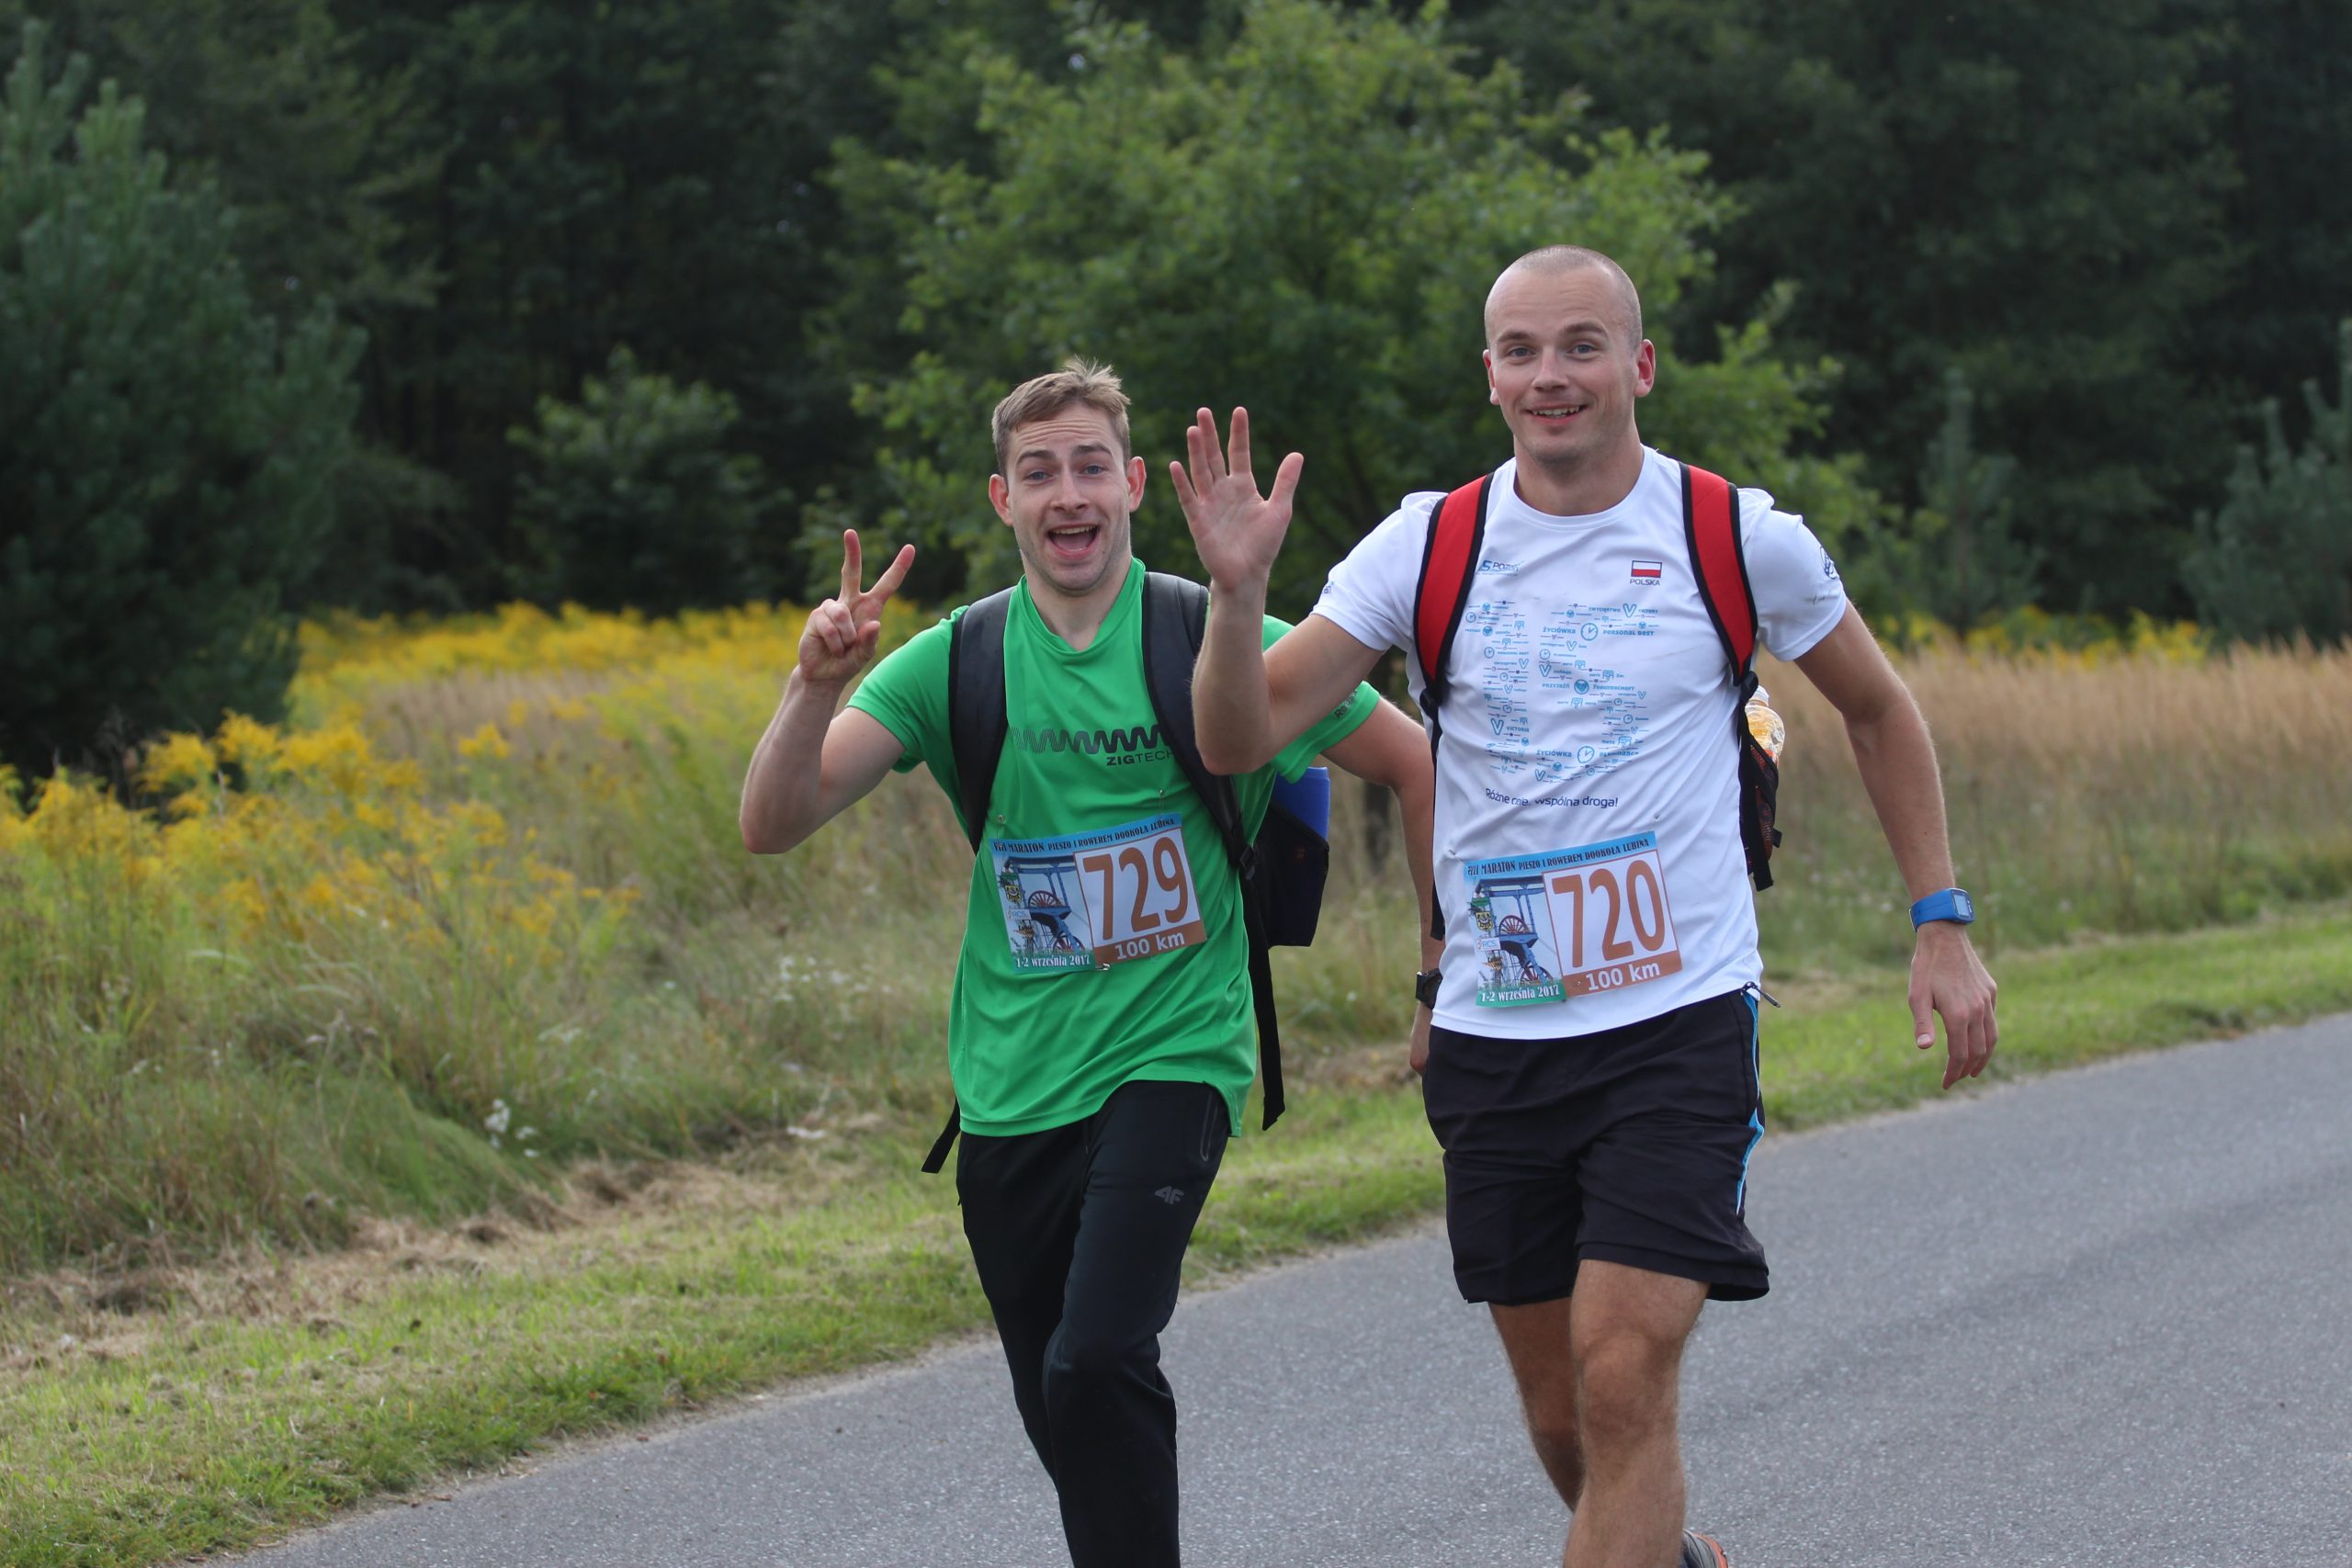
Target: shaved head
x,y
1555,259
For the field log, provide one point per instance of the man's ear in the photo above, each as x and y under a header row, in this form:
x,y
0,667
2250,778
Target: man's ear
x,y
1000,497
1644,368
1135,472
1487,358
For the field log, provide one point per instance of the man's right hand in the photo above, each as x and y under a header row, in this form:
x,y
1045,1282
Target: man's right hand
x,y
841,633
1237,531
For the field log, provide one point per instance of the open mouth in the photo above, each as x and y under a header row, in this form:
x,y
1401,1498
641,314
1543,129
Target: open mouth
x,y
1074,541
1556,413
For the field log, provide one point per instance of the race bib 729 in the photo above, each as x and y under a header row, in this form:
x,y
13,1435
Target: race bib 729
x,y
1085,900
1565,922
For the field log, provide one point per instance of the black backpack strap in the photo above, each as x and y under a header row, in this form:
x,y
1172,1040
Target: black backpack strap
x,y
976,730
1449,564
1175,618
934,1161
976,725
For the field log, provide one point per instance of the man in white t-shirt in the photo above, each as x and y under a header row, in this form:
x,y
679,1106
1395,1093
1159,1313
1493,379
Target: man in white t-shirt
x,y
1591,1070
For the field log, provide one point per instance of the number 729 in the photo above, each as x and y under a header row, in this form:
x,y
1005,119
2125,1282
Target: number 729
x,y
1165,867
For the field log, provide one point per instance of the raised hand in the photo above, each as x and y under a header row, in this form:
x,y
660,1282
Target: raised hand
x,y
842,632
1236,531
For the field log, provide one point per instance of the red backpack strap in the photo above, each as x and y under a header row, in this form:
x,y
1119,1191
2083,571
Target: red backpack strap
x,y
1449,561
1711,525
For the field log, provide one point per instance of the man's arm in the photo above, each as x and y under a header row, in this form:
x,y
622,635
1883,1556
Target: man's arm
x,y
1897,761
1389,749
1249,702
813,762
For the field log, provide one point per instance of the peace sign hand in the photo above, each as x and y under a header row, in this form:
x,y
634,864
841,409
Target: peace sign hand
x,y
841,633
1236,531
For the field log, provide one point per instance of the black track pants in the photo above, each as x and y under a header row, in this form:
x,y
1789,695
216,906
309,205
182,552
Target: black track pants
x,y
1079,1232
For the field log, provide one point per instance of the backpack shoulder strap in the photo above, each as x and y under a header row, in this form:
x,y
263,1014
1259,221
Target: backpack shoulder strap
x,y
1711,526
976,722
976,730
1449,561
1175,618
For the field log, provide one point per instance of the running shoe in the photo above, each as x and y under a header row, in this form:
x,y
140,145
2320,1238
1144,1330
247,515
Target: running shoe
x,y
1703,1551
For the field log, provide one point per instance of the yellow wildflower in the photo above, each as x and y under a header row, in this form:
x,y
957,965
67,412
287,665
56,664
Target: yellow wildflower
x,y
176,762
484,742
339,756
246,741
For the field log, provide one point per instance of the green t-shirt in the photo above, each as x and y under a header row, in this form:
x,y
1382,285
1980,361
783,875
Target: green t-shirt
x,y
1103,940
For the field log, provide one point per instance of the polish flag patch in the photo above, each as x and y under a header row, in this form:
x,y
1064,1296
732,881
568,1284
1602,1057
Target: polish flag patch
x,y
1647,570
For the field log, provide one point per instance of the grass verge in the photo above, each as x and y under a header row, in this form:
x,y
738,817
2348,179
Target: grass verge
x,y
207,1413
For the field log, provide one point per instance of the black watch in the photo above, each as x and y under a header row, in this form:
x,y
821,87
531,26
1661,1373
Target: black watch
x,y
1425,986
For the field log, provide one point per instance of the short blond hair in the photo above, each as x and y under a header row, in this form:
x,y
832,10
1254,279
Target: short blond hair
x,y
1078,381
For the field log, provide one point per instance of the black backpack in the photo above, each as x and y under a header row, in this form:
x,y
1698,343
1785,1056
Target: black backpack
x,y
1282,871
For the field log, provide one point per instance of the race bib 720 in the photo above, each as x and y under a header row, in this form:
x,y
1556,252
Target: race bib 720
x,y
1087,901
1565,922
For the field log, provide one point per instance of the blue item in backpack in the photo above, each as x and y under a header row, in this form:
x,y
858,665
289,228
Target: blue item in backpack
x,y
1308,799
1294,852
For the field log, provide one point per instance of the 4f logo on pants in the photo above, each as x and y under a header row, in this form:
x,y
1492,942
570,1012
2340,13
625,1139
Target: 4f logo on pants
x,y
1171,1196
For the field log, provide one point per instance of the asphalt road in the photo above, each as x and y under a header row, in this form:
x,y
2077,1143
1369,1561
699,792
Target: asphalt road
x,y
2104,1316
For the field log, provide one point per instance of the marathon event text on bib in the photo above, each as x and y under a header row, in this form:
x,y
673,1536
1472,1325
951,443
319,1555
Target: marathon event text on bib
x,y
1564,924
1089,900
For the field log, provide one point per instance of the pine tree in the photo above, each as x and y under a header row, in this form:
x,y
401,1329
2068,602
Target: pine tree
x,y
1967,565
168,452
631,499
2275,561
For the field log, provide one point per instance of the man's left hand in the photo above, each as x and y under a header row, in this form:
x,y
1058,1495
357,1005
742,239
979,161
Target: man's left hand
x,y
1947,977
1416,1054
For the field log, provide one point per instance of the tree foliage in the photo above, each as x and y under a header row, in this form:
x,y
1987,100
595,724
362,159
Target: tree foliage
x,y
167,450
1964,561
1305,223
2288,78
2112,219
2032,193
632,499
2276,560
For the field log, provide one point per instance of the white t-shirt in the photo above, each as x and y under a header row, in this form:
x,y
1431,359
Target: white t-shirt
x,y
1589,863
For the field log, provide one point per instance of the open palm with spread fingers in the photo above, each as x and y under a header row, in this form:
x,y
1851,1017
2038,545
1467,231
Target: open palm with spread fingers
x,y
1237,531
842,632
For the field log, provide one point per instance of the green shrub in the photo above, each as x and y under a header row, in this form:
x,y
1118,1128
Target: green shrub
x,y
2276,561
166,460
632,499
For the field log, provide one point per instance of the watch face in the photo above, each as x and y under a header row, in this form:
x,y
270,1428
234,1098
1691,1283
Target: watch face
x,y
1963,905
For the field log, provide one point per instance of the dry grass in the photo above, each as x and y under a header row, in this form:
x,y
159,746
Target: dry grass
x,y
494,877
2120,793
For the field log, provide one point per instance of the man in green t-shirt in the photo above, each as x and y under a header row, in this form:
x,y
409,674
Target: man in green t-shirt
x,y
1101,1036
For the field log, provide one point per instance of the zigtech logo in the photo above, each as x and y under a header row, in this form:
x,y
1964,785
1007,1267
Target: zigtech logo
x,y
1118,747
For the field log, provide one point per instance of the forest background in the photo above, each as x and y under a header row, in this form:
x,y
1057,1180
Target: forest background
x,y
420,426
399,307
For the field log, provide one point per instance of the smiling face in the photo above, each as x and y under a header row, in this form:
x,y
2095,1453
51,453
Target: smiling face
x,y
1067,492
1566,362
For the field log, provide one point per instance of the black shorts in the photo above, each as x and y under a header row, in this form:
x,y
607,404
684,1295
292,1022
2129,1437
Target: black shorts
x,y
1630,1146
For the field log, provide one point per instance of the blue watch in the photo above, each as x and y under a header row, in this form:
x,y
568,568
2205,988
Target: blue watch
x,y
1951,904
